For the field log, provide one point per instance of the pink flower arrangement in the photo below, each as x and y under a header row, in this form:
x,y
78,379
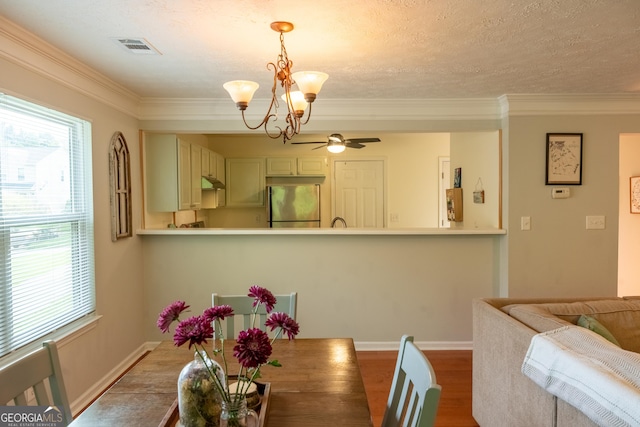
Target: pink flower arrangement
x,y
253,346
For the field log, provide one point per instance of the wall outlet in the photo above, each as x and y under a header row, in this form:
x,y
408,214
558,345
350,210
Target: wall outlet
x,y
394,217
595,222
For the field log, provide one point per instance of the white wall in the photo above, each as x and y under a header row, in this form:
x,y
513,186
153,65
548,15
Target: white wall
x,y
628,248
478,154
559,257
370,288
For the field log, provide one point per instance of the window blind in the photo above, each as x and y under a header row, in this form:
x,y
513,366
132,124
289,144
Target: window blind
x,y
46,222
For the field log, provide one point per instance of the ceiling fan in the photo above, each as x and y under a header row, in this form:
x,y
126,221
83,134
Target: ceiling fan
x,y
336,143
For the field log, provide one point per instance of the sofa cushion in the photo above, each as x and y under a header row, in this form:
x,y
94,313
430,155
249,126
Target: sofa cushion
x,y
597,327
620,317
536,316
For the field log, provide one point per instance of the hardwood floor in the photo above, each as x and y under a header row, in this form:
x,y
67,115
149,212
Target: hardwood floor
x,y
453,373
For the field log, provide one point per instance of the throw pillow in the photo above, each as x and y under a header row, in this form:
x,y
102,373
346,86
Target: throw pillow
x,y
597,327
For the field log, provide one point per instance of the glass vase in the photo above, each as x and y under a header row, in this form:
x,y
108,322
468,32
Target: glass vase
x,y
235,413
199,399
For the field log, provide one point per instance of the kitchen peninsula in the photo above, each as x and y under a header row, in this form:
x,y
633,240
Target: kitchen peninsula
x,y
319,231
369,284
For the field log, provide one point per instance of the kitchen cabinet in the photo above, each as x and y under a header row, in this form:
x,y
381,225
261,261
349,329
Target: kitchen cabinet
x,y
281,166
245,182
173,170
292,166
212,166
221,194
312,166
209,163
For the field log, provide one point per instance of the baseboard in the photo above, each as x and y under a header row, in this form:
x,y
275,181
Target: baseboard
x,y
422,345
101,385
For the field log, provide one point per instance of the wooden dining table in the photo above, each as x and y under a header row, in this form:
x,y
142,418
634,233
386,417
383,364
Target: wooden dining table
x,y
319,384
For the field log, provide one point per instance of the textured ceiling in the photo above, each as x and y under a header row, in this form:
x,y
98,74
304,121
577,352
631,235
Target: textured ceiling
x,y
378,49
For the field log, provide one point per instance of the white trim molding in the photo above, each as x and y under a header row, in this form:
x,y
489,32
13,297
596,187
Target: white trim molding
x,y
325,109
569,104
26,50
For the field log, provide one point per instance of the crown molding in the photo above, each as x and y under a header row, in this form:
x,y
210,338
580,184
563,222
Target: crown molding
x,y
326,109
568,104
28,51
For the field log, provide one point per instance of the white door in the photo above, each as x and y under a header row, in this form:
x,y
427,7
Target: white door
x,y
445,182
359,192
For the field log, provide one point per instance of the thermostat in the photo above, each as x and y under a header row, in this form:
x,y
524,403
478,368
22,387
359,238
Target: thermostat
x,y
560,193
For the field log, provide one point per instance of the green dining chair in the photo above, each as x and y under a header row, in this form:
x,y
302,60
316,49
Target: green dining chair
x,y
37,371
414,396
243,307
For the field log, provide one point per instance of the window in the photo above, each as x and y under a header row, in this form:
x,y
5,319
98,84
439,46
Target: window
x,y
46,223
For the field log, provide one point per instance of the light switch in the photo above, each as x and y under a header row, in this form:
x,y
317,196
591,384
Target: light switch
x,y
595,222
525,223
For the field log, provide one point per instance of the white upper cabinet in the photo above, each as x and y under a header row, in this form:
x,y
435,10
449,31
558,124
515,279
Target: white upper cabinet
x,y
172,173
210,164
292,166
222,176
281,166
312,166
245,182
195,163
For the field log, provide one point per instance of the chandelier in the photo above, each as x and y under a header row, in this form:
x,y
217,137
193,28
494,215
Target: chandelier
x,y
309,84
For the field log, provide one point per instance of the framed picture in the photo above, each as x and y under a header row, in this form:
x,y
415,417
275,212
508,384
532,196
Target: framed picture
x,y
457,178
634,190
564,159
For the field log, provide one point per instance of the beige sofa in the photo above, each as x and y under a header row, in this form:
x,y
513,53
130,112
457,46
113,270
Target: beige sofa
x,y
502,332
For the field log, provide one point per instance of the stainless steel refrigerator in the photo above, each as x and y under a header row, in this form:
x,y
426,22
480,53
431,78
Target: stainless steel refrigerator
x,y
293,206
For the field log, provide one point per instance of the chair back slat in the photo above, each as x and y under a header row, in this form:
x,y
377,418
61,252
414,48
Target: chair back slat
x,y
243,308
414,396
40,372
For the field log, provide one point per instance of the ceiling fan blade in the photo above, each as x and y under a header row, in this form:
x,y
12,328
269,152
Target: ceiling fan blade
x,y
356,140
354,145
317,148
310,142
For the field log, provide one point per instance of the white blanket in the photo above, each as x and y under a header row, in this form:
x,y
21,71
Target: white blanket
x,y
588,372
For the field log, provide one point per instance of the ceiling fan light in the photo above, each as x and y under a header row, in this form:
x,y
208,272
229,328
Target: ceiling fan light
x,y
241,91
335,147
309,83
298,102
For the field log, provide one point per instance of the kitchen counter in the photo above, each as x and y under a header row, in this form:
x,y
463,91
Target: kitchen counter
x,y
319,231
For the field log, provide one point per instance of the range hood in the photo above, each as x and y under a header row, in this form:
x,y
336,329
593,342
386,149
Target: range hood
x,y
211,183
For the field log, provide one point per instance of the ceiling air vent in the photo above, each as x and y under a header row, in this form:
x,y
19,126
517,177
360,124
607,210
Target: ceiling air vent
x,y
137,46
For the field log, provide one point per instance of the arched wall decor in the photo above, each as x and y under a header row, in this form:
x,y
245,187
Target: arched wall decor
x,y
120,183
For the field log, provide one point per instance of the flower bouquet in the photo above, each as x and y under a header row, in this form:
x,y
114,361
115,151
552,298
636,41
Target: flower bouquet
x,y
204,394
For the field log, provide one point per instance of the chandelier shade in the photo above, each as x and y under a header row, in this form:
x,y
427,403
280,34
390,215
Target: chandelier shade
x,y
241,91
310,83
297,101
